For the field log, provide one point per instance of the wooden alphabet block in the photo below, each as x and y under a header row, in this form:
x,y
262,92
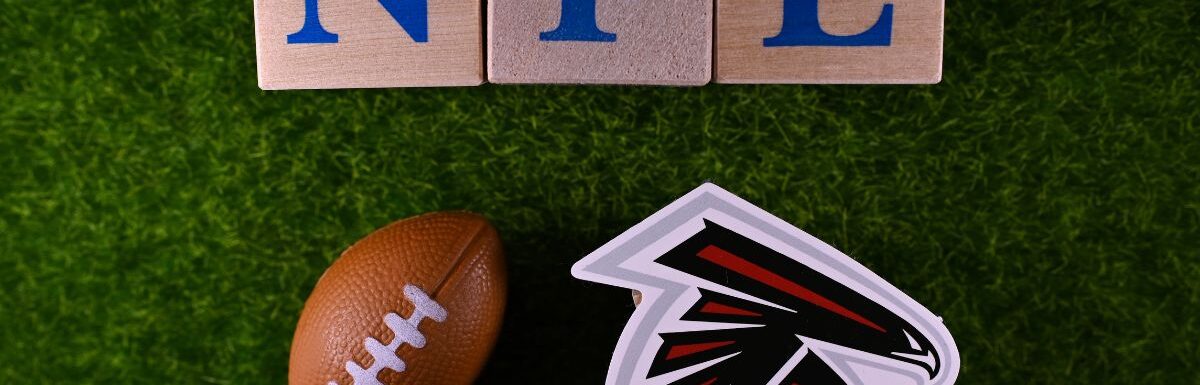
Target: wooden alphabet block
x,y
827,41
368,43
662,42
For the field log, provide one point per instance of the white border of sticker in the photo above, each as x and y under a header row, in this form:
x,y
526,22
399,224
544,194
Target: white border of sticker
x,y
628,261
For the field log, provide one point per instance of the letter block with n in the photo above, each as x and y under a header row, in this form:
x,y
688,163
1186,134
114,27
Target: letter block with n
x,y
306,44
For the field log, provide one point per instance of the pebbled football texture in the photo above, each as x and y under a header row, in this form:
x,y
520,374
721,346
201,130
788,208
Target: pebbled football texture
x,y
454,258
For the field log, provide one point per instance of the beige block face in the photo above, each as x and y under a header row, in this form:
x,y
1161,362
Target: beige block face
x,y
661,42
914,56
373,50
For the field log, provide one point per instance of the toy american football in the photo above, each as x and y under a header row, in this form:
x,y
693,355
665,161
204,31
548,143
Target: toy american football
x,y
417,302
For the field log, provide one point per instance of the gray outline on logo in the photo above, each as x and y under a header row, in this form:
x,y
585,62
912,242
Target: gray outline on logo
x,y
608,265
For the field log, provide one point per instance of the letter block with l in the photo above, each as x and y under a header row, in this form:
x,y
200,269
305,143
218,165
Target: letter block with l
x,y
829,41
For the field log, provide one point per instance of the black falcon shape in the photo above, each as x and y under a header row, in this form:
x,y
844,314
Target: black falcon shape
x,y
818,308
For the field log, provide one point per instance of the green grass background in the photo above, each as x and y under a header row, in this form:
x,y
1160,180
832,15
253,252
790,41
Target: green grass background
x,y
162,219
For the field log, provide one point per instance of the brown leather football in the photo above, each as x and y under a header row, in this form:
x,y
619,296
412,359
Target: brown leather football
x,y
417,302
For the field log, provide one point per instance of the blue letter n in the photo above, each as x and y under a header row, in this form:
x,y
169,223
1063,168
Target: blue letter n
x,y
802,27
412,15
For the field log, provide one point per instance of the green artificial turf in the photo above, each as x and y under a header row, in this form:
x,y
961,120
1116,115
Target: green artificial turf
x,y
162,219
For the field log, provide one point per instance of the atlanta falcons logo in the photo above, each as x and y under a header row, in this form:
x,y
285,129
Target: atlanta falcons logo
x,y
733,295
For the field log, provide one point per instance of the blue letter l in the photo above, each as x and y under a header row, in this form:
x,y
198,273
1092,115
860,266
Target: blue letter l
x,y
802,27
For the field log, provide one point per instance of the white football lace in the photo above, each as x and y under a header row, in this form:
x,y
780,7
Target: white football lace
x,y
406,332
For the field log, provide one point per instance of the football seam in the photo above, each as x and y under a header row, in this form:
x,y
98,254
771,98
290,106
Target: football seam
x,y
460,259
388,227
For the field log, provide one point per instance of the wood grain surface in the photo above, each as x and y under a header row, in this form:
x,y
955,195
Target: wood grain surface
x,y
914,56
373,50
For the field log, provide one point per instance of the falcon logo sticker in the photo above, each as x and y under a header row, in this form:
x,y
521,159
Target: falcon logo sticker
x,y
734,295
